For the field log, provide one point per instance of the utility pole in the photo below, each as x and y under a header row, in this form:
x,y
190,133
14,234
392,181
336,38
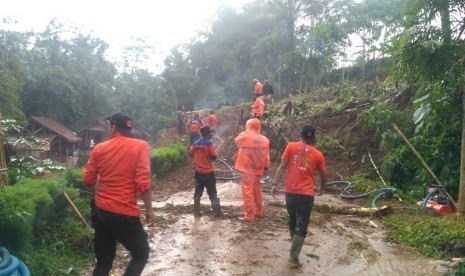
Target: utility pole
x,y
3,167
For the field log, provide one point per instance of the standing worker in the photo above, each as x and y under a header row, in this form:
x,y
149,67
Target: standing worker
x,y
258,107
193,126
181,120
204,153
253,159
268,92
258,88
301,159
120,167
212,121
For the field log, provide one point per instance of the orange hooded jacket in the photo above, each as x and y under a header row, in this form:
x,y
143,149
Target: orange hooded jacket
x,y
258,107
253,154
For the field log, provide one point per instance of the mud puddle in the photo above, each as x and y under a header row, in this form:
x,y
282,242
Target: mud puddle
x,y
336,245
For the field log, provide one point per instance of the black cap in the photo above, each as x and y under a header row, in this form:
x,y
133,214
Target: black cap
x,y
308,134
205,130
121,120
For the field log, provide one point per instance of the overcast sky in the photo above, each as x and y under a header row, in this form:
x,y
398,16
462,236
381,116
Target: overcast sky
x,y
166,23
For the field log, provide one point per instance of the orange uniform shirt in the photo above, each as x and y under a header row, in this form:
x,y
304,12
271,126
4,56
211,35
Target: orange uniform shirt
x,y
121,169
212,121
203,151
258,88
194,126
303,160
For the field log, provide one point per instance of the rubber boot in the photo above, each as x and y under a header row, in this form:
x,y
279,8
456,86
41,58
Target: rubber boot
x,y
216,208
197,211
292,234
296,247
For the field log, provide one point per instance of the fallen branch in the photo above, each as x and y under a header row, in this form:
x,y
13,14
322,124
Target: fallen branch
x,y
332,209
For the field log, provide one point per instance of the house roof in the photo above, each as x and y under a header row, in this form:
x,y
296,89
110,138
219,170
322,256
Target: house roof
x,y
56,128
101,124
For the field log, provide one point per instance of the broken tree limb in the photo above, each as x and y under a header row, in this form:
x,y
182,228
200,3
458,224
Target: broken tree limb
x,y
397,129
332,209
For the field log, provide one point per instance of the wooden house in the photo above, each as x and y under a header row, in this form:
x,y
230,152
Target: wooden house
x,y
61,142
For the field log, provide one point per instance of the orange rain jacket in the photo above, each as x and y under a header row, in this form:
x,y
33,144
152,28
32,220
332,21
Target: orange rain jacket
x,y
253,154
258,107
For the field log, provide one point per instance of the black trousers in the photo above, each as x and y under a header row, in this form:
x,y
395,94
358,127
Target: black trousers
x,y
205,180
193,136
299,209
111,227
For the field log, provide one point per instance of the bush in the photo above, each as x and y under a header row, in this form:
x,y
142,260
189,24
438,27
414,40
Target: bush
x,y
167,158
431,236
38,225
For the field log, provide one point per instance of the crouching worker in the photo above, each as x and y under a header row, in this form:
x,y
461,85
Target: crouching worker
x,y
204,153
120,167
301,159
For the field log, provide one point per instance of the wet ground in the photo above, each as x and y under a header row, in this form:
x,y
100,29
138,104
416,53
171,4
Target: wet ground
x,y
336,245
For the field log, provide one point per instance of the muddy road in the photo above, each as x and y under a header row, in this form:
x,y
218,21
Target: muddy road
x,y
336,245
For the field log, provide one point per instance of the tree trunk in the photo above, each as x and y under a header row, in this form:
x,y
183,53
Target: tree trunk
x,y
3,167
461,203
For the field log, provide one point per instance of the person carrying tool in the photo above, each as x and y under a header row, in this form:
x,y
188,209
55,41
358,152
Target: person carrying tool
x,y
193,127
302,160
258,87
204,153
253,159
120,167
258,107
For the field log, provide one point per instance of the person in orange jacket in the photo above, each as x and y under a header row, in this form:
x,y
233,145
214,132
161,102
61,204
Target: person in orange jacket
x,y
258,88
253,158
212,121
193,126
302,160
204,153
258,107
120,169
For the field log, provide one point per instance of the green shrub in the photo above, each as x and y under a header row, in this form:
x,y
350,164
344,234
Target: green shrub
x,y
39,226
431,236
167,158
22,206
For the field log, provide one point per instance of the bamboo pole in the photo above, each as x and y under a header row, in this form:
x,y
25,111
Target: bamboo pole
x,y
3,166
397,129
76,210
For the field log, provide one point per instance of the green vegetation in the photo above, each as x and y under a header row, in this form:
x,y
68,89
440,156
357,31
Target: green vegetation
x,y
167,158
409,70
435,237
38,225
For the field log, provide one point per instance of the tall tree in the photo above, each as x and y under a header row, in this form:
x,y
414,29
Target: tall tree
x,y
434,54
13,49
